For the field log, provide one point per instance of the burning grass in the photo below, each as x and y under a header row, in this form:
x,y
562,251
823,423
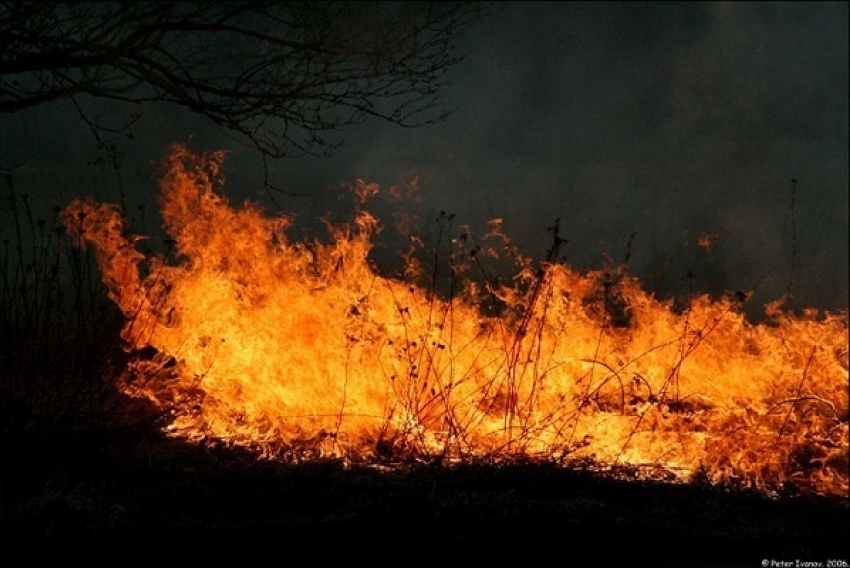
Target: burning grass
x,y
308,350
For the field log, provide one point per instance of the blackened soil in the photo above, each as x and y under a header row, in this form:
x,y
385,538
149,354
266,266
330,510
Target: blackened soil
x,y
139,499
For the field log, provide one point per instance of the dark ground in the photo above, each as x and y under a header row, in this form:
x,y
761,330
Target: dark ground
x,y
137,499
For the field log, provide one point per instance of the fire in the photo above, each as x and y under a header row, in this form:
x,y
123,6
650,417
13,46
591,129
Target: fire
x,y
308,349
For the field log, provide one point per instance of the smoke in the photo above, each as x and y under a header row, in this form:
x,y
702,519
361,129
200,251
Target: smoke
x,y
660,121
640,126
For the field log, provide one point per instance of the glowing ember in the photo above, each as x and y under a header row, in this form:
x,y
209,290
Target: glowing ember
x,y
299,349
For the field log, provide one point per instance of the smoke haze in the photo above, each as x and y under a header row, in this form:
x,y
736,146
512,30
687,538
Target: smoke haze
x,y
639,126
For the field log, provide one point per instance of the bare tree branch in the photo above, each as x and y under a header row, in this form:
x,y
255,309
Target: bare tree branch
x,y
281,74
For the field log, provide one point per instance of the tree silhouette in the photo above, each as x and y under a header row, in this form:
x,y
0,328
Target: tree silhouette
x,y
284,75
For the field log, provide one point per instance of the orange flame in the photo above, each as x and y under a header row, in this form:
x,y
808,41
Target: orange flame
x,y
299,349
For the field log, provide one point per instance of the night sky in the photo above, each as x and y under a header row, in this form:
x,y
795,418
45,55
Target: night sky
x,y
663,121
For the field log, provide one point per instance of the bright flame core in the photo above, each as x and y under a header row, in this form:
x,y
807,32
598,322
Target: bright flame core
x,y
306,349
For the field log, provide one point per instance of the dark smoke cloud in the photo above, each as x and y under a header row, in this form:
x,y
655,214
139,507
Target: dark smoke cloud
x,y
662,121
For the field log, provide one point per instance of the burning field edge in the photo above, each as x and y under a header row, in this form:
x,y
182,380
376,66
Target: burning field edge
x,y
247,335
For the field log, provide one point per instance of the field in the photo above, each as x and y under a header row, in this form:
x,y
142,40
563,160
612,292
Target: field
x,y
90,477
